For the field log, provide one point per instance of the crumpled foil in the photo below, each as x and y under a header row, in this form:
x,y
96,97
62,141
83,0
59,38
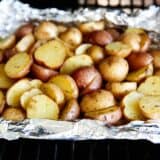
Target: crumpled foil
x,y
14,13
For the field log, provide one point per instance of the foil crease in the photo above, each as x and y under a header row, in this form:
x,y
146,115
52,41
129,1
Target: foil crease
x,y
14,14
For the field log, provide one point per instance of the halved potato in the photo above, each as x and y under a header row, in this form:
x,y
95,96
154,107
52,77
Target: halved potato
x,y
54,92
5,81
2,102
67,84
46,30
72,36
75,62
25,43
24,30
130,104
118,49
51,54
138,75
156,58
18,66
120,89
151,86
97,100
36,83
7,42
82,49
150,106
41,106
71,111
110,115
42,73
134,30
13,114
14,93
96,53
91,26
27,95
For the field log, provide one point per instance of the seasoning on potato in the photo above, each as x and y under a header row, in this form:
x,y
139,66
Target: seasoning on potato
x,y
114,69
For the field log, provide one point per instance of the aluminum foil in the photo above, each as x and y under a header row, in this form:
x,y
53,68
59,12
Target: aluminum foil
x,y
14,13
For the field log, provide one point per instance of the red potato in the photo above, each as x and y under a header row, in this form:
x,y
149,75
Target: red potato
x,y
87,79
156,58
100,38
2,102
24,30
42,73
1,56
71,111
110,115
115,34
8,53
139,60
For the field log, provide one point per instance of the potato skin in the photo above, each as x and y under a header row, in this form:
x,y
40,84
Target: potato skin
x,y
97,100
13,114
156,58
114,69
96,53
42,73
139,60
115,34
2,102
100,38
110,115
72,36
24,30
71,111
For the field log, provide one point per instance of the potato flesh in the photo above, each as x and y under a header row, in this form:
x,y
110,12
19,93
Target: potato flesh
x,y
5,81
131,106
54,92
15,92
18,66
151,86
150,106
67,84
51,54
27,95
41,106
75,62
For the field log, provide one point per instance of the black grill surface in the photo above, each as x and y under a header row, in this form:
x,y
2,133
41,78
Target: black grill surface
x,y
81,150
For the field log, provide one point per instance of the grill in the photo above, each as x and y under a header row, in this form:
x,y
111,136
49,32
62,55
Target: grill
x,y
25,149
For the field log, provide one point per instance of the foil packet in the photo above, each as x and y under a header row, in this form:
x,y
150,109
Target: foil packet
x,y
14,14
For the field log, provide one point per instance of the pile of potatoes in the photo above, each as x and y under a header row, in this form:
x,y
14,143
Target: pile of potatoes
x,y
66,72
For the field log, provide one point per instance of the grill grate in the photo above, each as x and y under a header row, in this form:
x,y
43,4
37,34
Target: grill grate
x,y
87,150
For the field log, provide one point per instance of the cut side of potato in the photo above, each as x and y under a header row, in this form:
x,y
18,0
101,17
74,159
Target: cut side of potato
x,y
82,49
75,62
7,42
67,84
18,66
120,89
51,54
97,100
151,86
131,106
41,106
25,43
140,74
14,93
54,92
5,81
13,114
27,95
2,101
150,106
118,49
71,111
109,115
36,83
